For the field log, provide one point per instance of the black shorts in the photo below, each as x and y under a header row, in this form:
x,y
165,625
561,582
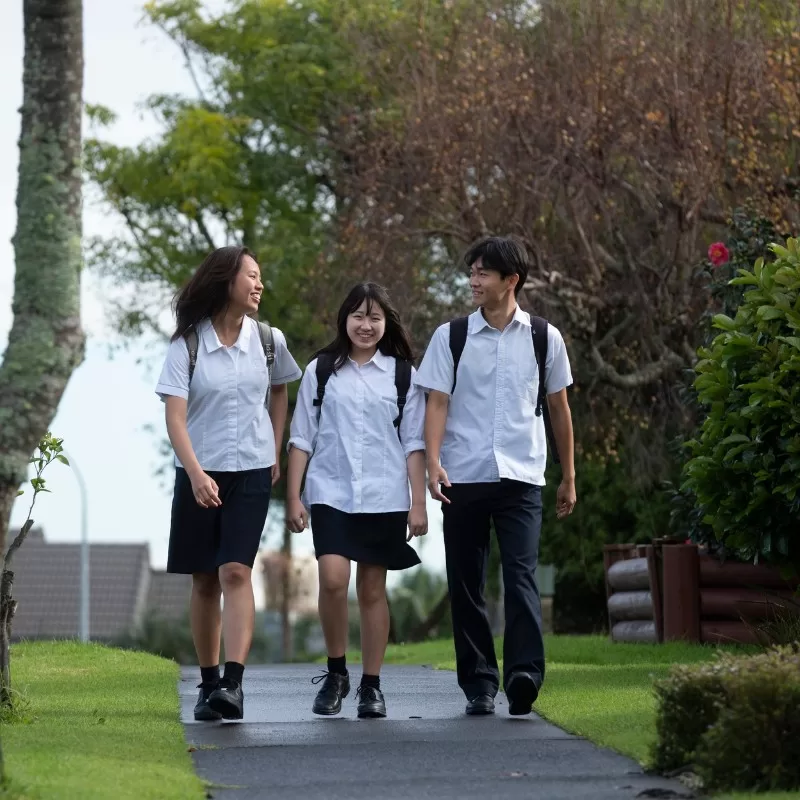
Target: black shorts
x,y
377,539
203,539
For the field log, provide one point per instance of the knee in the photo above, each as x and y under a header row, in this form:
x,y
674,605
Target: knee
x,y
234,576
334,586
371,591
206,585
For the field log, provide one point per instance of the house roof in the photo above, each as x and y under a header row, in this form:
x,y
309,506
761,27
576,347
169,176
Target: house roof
x,y
121,585
168,597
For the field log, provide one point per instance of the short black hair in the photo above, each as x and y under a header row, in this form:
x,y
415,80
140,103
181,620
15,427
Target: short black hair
x,y
504,254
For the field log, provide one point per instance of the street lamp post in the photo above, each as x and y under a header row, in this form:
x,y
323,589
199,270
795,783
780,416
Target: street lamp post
x,y
84,612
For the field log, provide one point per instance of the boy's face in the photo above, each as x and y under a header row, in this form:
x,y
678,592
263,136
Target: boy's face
x,y
490,289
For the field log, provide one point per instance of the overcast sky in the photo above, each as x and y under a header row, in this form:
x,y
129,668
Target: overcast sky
x,y
109,401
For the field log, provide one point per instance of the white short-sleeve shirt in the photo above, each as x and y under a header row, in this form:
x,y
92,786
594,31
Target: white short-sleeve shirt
x,y
228,424
358,463
492,431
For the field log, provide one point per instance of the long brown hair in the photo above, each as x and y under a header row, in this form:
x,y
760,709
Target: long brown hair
x,y
395,340
207,292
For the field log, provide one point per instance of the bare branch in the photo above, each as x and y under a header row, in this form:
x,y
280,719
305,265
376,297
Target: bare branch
x,y
650,373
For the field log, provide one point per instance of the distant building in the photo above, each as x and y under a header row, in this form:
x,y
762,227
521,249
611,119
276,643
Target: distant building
x,y
123,589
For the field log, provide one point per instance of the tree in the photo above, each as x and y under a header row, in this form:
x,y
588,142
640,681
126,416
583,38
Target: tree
x,y
615,139
46,341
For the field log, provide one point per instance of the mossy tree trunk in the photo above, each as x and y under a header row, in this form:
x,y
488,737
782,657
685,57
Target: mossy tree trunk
x,y
46,342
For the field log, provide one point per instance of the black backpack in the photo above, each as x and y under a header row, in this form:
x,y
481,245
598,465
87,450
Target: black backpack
x,y
402,382
267,343
458,340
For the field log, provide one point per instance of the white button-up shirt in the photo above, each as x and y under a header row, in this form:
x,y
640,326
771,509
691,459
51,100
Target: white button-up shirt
x,y
228,423
492,431
358,464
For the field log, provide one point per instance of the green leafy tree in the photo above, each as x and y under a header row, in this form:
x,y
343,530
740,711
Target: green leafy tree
x,y
745,465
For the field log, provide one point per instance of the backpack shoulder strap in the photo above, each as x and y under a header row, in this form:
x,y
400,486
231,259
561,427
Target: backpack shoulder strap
x,y
539,334
458,340
402,382
192,343
324,370
268,346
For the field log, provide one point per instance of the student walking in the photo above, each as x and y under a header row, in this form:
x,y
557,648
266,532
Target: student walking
x,y
224,387
494,378
358,427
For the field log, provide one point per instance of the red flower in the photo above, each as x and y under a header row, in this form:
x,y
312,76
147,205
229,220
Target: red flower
x,y
718,254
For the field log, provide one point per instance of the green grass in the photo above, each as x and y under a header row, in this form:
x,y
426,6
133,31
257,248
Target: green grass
x,y
99,723
595,688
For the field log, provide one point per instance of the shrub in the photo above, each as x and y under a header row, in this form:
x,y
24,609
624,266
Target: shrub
x,y
736,719
745,464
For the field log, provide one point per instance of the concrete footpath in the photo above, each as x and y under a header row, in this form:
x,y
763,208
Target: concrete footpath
x,y
426,748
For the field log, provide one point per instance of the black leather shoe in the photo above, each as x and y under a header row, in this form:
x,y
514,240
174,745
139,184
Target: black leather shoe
x,y
202,711
227,699
371,704
329,698
480,705
521,691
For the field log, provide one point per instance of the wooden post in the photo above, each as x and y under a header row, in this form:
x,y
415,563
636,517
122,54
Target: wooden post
x,y
681,593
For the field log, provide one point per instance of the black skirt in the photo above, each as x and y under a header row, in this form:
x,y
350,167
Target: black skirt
x,y
203,539
376,539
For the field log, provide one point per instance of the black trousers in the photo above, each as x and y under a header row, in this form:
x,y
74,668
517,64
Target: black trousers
x,y
516,510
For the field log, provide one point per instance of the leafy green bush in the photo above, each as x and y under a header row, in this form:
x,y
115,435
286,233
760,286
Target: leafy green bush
x,y
736,720
745,464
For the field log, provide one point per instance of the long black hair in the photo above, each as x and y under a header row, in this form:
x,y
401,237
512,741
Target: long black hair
x,y
395,340
207,292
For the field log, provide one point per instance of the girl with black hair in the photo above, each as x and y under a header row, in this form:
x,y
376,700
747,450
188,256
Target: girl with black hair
x,y
224,387
363,447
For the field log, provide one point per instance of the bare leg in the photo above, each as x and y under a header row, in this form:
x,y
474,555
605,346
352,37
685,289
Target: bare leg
x,y
238,610
371,588
334,578
205,617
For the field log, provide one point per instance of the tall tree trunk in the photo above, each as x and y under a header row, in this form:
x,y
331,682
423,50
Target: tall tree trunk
x,y
46,341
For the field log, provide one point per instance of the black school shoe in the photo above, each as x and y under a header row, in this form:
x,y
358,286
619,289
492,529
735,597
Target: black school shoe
x,y
480,705
329,698
371,704
521,691
202,711
227,699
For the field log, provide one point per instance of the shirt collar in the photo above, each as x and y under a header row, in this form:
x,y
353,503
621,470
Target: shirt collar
x,y
477,322
212,342
379,360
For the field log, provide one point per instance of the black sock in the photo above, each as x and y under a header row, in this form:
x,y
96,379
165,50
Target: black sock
x,y
373,681
209,674
338,665
234,671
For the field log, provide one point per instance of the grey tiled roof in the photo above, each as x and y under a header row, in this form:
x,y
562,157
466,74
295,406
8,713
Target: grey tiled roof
x,y
168,597
47,588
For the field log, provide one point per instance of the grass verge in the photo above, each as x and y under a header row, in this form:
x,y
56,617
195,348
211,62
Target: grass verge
x,y
595,688
98,723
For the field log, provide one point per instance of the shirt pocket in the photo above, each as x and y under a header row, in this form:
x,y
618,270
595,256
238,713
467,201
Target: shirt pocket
x,y
253,383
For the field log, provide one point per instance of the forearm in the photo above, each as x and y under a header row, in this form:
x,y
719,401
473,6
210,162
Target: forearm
x,y
416,475
561,419
278,411
435,419
298,460
180,441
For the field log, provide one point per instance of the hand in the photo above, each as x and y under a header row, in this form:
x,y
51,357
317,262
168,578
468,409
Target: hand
x,y
296,515
205,490
565,498
276,472
417,521
437,476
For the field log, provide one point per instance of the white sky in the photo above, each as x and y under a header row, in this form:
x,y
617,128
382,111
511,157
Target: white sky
x,y
109,400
